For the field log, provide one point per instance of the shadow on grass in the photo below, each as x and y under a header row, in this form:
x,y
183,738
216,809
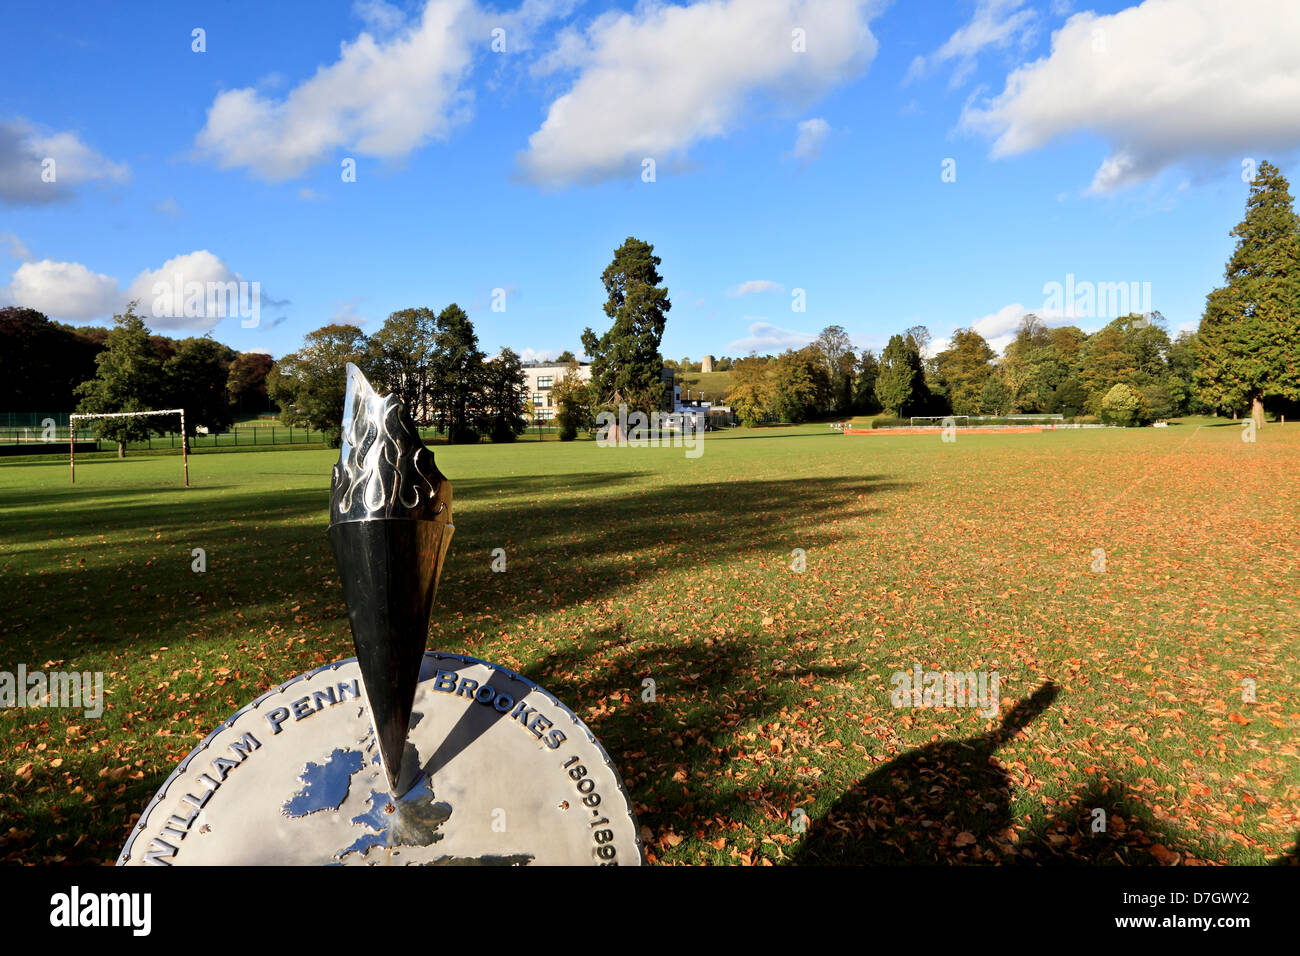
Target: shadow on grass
x,y
950,802
127,508
570,539
677,751
1291,857
566,544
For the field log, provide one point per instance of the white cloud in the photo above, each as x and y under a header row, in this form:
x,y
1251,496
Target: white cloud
x,y
755,285
382,98
72,292
169,207
995,23
764,337
1165,82
655,81
345,312
17,249
812,134
63,290
379,17
307,194
523,23
539,355
999,328
24,149
157,305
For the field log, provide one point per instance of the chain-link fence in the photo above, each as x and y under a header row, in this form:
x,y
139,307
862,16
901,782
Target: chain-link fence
x,y
47,433
53,436
11,420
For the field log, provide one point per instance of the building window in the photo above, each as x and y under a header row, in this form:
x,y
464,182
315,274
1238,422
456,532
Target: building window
x,y
546,381
537,399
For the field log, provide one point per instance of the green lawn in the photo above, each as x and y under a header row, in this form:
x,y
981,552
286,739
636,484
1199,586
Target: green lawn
x,y
1121,691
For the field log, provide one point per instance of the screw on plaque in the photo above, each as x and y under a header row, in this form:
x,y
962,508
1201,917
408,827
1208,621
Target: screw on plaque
x,y
390,527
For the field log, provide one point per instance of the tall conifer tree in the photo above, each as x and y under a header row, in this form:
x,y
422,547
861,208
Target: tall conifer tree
x,y
1249,339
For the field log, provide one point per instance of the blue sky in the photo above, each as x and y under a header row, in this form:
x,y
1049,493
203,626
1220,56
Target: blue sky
x,y
1105,141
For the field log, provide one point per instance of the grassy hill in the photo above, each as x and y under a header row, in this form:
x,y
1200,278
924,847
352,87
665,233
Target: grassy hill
x,y
714,385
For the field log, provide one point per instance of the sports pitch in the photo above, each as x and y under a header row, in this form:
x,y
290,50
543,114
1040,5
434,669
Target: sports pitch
x,y
729,626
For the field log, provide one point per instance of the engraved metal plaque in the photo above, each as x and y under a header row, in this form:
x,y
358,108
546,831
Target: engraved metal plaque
x,y
495,771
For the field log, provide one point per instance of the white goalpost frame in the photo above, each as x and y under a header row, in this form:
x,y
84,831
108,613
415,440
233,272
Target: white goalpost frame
x,y
72,436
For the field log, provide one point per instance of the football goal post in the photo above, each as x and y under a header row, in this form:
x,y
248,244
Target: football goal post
x,y
72,436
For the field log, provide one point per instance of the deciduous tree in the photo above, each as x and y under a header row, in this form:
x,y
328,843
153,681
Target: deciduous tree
x,y
400,358
864,386
246,382
573,399
128,378
310,384
751,390
195,379
836,353
963,368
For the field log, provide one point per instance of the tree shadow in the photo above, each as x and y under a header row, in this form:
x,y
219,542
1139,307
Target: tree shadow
x,y
572,549
1291,857
571,539
915,807
267,552
951,802
1103,824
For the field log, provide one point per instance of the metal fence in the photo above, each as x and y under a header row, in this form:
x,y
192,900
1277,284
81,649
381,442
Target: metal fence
x,y
10,420
56,438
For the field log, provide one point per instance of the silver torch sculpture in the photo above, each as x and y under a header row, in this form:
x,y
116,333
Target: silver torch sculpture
x,y
390,527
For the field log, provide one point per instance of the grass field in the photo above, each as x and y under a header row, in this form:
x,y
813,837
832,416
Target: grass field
x,y
1121,690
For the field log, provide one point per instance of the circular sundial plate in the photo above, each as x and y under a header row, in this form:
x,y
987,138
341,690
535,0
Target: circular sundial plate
x,y
496,772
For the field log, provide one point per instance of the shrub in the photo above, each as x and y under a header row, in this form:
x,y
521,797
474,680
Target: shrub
x,y
502,432
567,420
1124,405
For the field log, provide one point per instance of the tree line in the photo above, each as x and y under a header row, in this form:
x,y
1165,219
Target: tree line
x,y
431,361
50,366
1246,353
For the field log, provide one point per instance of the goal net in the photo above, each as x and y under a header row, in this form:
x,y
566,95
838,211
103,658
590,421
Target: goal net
x,y
72,436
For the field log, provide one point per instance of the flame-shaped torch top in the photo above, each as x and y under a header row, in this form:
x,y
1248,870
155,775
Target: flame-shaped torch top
x,y
384,469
